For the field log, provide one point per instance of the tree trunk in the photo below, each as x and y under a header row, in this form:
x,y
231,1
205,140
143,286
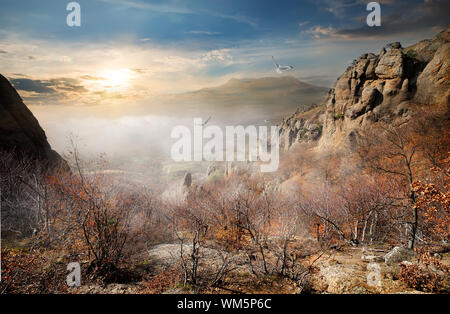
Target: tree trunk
x,y
412,196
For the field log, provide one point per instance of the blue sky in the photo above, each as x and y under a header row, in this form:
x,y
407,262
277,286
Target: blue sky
x,y
132,49
165,21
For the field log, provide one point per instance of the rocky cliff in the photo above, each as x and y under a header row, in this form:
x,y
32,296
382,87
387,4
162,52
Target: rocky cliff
x,y
20,131
305,125
383,86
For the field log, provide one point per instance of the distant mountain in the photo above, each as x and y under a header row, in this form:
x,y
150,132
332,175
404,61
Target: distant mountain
x,y
244,99
261,88
20,131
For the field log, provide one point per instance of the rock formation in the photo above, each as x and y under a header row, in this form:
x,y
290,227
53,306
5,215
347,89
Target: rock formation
x,y
386,86
398,255
187,180
374,87
20,131
303,126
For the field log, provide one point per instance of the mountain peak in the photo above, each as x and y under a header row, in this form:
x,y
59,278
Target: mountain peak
x,y
20,131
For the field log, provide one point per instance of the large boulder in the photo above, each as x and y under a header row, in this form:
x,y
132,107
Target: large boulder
x,y
370,97
398,255
390,65
433,84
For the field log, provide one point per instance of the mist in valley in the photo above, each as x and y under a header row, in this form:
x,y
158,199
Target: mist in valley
x,y
136,137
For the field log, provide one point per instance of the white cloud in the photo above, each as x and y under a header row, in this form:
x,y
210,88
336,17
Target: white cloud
x,y
320,31
204,33
301,24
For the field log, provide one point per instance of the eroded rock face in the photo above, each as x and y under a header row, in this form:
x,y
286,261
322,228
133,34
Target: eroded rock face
x,y
370,99
301,127
20,131
390,65
386,86
433,84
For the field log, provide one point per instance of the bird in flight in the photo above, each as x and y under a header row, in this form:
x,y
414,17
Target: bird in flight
x,y
281,68
207,120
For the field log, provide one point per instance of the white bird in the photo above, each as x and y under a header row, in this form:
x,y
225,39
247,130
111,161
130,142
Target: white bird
x,y
282,68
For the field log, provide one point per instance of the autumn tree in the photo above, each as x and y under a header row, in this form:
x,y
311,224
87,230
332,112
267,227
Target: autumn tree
x,y
433,202
392,149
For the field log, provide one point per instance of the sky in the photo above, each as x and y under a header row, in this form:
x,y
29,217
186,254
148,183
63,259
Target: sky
x,y
131,50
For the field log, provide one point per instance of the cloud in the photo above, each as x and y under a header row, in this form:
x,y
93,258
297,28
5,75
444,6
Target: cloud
x,y
344,9
161,8
204,33
36,91
236,17
219,55
139,70
91,78
340,8
67,84
403,19
3,51
147,70
406,19
320,32
36,86
301,24
178,9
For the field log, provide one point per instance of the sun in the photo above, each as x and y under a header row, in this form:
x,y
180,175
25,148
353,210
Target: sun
x,y
116,79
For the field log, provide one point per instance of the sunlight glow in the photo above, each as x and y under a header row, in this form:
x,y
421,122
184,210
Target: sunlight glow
x,y
115,80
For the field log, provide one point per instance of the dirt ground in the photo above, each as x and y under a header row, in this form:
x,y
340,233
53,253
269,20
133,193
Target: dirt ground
x,y
347,270
343,271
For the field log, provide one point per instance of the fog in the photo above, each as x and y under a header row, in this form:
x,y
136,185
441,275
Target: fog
x,y
127,141
122,137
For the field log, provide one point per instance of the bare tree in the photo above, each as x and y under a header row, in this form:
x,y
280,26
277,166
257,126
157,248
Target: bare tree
x,y
392,148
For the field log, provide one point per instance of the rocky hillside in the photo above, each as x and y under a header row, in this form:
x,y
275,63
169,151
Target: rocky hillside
x,y
20,131
305,125
374,87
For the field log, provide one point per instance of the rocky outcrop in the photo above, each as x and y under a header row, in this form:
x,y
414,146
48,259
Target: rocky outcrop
x,y
302,127
20,131
433,83
398,255
384,86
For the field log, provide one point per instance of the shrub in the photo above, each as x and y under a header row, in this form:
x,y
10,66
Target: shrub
x,y
411,54
419,278
429,275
